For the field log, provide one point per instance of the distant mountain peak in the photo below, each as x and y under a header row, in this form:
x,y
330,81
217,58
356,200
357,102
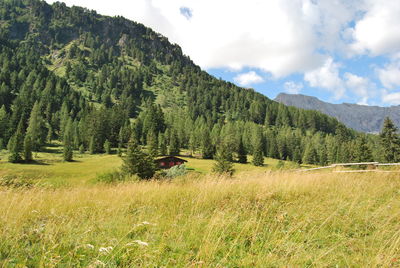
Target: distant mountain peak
x,y
359,117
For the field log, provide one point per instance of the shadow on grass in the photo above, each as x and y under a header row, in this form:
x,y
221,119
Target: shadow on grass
x,y
36,162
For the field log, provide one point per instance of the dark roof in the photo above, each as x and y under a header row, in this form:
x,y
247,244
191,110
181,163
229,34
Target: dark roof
x,y
169,158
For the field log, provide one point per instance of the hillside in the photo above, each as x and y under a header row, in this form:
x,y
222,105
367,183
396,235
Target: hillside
x,y
359,117
74,76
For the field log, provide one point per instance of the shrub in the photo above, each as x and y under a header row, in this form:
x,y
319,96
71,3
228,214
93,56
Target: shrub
x,y
112,177
176,171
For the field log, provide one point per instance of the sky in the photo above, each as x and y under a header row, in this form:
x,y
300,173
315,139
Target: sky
x,y
336,50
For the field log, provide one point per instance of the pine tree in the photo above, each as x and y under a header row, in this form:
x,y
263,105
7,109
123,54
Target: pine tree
x,y
107,147
138,163
390,141
363,152
81,149
223,164
15,145
173,144
162,144
242,154
28,148
310,154
68,142
258,156
207,148
36,128
92,145
152,144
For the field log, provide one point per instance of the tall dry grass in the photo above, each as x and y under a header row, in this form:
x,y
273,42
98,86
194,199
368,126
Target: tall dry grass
x,y
267,220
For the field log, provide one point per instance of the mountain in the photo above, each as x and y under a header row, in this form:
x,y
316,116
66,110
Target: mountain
x,y
71,75
359,117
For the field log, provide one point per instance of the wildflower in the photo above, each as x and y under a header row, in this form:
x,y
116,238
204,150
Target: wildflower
x,y
89,246
105,250
141,243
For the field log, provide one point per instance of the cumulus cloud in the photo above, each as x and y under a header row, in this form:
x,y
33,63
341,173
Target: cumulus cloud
x,y
293,87
378,31
327,77
362,87
389,75
391,98
247,79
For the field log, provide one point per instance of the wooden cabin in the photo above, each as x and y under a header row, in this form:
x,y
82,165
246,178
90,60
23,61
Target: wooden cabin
x,y
169,162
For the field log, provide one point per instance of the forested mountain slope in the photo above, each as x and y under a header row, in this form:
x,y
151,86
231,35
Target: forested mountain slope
x,y
359,117
72,75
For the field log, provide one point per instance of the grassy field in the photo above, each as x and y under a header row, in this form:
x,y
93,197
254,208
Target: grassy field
x,y
260,217
269,220
51,170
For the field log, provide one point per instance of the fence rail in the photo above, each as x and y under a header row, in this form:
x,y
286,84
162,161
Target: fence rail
x,y
373,164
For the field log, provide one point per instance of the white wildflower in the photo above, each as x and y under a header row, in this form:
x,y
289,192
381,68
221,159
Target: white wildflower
x,y
89,246
105,250
141,243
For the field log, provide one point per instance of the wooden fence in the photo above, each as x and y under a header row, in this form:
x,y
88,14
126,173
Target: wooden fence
x,y
372,167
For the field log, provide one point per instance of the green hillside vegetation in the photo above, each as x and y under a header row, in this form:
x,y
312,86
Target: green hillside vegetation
x,y
111,79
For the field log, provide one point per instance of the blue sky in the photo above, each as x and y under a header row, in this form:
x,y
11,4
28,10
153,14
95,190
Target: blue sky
x,y
336,50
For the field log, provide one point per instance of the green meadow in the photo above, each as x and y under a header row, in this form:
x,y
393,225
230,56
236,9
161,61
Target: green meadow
x,y
261,217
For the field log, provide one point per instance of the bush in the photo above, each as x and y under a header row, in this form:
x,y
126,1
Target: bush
x,y
113,177
176,171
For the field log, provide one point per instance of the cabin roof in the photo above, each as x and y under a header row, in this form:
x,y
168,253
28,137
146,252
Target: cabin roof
x,y
169,158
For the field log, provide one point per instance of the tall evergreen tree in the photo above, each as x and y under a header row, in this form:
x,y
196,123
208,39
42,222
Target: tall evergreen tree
x,y
36,128
107,147
258,155
223,164
390,141
162,144
28,148
174,144
15,145
242,153
137,162
68,142
207,148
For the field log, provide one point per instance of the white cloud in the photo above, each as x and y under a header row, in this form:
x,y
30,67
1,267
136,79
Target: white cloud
x,y
390,75
292,87
378,31
362,87
247,79
327,77
391,98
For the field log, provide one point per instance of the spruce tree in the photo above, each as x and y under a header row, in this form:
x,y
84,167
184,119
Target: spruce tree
x,y
162,144
137,162
68,142
242,153
174,144
258,155
223,164
152,144
310,154
207,148
363,152
28,148
107,147
15,145
36,128
390,141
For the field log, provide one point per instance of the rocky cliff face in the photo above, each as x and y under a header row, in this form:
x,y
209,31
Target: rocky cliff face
x,y
359,117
